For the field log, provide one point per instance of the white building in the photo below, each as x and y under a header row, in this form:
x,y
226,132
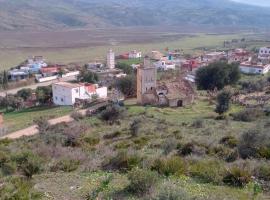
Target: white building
x,y
165,64
65,94
214,56
134,54
250,68
264,53
111,59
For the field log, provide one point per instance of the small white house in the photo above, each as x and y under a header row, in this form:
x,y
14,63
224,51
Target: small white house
x,y
65,94
264,53
134,54
165,64
250,68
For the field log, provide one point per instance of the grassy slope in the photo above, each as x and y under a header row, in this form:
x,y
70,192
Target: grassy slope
x,y
78,185
22,119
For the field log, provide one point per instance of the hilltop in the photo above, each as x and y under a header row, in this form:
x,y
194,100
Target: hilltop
x,y
51,15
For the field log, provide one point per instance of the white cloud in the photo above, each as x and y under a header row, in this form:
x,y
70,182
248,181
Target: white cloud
x,y
255,2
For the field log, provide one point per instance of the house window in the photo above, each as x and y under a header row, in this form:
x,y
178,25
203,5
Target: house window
x,y
62,100
77,90
56,98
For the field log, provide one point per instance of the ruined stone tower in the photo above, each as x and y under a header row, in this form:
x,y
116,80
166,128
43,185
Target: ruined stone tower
x,y
146,79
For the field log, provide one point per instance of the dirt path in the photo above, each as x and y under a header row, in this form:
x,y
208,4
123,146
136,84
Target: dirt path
x,y
33,130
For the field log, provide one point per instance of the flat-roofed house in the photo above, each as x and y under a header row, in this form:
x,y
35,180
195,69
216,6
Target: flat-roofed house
x,y
66,94
254,68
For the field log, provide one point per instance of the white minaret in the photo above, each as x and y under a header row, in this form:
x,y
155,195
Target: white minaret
x,y
110,59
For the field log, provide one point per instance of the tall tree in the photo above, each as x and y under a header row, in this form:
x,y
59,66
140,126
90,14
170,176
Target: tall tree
x,y
223,102
5,80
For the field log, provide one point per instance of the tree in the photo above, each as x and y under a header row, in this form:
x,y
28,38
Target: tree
x,y
5,80
24,94
134,127
44,94
13,102
217,75
88,77
127,85
127,69
223,102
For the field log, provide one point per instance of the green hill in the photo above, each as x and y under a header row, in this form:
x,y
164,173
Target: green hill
x,y
49,14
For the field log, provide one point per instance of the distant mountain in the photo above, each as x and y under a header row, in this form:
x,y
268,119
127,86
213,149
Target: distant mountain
x,y
58,14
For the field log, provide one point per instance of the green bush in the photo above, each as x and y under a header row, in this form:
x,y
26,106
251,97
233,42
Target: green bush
x,y
248,115
264,152
264,172
112,135
209,171
169,145
170,191
123,161
91,140
65,165
237,176
254,144
169,166
112,113
28,163
141,181
193,148
229,141
198,123
16,189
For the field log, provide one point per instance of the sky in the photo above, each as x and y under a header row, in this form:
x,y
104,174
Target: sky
x,y
255,2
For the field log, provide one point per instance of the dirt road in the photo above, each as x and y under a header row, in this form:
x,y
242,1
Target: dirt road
x,y
33,130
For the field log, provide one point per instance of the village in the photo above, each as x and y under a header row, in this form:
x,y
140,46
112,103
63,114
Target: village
x,y
37,83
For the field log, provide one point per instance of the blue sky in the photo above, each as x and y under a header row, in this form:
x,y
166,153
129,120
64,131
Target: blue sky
x,y
255,2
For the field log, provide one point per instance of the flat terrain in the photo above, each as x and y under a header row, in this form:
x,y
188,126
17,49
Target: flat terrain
x,y
82,46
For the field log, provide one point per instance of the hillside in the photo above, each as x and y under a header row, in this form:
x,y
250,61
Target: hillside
x,y
50,15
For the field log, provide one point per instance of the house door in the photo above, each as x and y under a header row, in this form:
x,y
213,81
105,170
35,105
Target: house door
x,y
180,103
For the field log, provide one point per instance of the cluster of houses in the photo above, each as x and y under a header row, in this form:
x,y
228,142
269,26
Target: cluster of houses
x,y
42,71
172,93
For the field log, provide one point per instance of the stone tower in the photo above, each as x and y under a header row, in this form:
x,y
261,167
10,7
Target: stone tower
x,y
111,59
146,79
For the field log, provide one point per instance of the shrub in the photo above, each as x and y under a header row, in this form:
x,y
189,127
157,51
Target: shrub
x,y
65,165
209,171
248,115
112,113
237,176
112,135
91,140
134,127
170,166
123,161
141,181
223,102
170,191
198,123
264,172
192,148
18,188
28,163
43,125
229,141
169,145
127,85
254,144
77,116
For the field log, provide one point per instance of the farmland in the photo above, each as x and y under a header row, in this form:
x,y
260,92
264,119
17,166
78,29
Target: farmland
x,y
82,46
